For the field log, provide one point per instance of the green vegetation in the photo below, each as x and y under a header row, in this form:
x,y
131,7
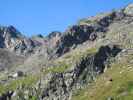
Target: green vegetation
x,y
56,69
80,94
86,21
28,81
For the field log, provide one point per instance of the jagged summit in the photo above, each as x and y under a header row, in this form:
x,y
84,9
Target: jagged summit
x,y
129,10
10,30
87,29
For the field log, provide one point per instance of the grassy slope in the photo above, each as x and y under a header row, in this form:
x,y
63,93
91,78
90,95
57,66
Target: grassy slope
x,y
120,88
14,84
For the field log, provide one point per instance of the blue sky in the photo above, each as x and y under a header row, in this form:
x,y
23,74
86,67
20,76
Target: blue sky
x,y
43,16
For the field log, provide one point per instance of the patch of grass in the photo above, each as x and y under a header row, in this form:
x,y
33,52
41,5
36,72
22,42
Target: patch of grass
x,y
56,69
28,81
86,21
130,87
2,88
80,94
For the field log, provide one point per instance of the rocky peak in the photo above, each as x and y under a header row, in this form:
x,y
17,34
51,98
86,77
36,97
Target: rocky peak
x,y
129,10
7,35
37,36
54,38
54,34
40,35
13,40
14,32
10,31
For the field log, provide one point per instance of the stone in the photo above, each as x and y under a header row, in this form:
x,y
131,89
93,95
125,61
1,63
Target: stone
x,y
18,74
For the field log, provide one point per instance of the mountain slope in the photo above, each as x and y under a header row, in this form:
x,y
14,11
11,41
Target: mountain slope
x,y
115,84
89,61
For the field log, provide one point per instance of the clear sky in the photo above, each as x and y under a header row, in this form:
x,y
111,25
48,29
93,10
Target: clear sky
x,y
43,16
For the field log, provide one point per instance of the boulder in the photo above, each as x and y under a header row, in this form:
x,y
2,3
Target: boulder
x,y
18,74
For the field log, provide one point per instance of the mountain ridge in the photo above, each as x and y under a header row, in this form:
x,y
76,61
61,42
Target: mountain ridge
x,y
66,66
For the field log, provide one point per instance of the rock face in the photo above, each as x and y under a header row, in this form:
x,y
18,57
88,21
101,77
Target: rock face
x,y
53,39
61,84
75,35
6,34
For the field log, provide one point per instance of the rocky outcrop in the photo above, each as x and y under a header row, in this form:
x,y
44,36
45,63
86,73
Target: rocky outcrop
x,y
129,10
61,85
56,88
93,65
75,35
53,39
